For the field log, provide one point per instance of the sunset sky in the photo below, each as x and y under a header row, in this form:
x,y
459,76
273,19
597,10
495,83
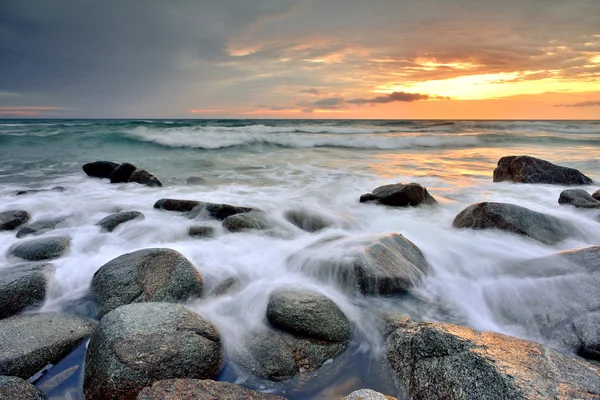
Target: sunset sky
x,y
406,59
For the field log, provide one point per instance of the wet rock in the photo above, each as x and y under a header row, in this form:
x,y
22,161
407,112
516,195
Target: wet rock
x,y
138,344
376,264
197,208
253,220
108,224
444,361
10,220
149,275
596,195
47,248
34,191
511,218
122,173
400,195
307,220
588,332
195,180
144,177
224,287
176,205
578,198
14,388
201,231
526,169
307,314
38,227
22,287
367,394
100,169
179,389
31,341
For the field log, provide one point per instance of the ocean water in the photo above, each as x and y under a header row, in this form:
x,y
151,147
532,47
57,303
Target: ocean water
x,y
321,166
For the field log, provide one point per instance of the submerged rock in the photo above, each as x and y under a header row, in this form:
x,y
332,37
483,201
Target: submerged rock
x,y
144,177
34,191
376,264
307,220
100,169
213,210
149,275
526,169
22,287
253,220
110,222
122,173
31,341
444,361
179,389
39,227
195,180
13,388
176,205
10,220
139,344
201,231
578,198
400,195
47,248
367,394
511,218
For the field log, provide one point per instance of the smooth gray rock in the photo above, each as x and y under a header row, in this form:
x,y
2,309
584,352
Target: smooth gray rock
x,y
34,191
578,198
109,223
198,208
176,205
224,287
148,275
201,231
511,218
14,388
375,264
254,220
588,332
308,314
38,227
10,220
31,341
400,195
526,169
122,173
196,389
307,220
47,248
444,361
144,177
22,287
100,169
367,394
138,344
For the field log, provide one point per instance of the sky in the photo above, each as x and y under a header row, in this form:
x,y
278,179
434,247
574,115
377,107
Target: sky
x,y
400,59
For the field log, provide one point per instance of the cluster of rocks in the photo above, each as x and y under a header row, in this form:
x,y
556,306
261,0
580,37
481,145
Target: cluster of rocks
x,y
120,173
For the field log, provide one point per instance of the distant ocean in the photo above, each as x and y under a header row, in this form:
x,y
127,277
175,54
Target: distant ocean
x,y
318,165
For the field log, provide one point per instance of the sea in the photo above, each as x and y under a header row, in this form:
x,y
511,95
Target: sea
x,y
322,167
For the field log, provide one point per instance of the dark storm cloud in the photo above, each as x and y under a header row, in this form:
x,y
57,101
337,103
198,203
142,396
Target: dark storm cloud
x,y
582,104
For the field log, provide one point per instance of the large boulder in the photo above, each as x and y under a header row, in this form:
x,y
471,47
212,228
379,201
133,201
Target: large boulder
x,y
307,220
109,223
399,195
578,198
38,227
444,361
196,389
34,191
22,287
588,332
29,342
511,218
47,248
144,177
376,264
213,210
148,275
308,314
10,220
122,173
526,169
14,388
139,344
254,220
100,169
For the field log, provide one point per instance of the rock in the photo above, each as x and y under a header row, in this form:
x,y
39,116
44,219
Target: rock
x,y
444,361
38,227
138,344
148,275
108,224
14,388
588,332
214,210
367,394
31,341
526,169
596,195
307,220
201,231
33,191
47,248
144,177
400,195
376,264
176,205
122,173
22,287
100,169
195,180
224,287
253,220
578,198
307,314
511,218
195,389
10,220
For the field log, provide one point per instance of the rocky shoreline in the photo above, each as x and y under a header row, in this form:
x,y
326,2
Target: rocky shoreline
x,y
148,345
